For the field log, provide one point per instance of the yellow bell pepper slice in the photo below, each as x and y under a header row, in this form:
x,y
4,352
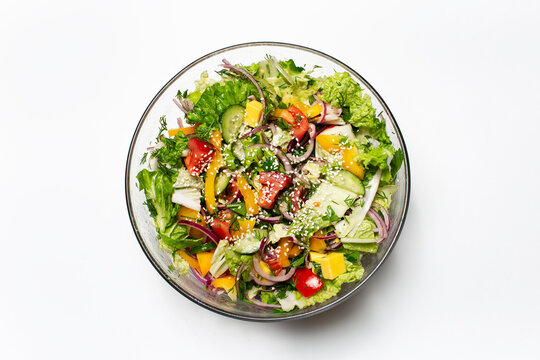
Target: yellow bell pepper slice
x,y
318,245
227,283
244,226
186,213
264,267
314,110
330,143
292,100
252,208
204,259
349,162
186,131
191,261
211,173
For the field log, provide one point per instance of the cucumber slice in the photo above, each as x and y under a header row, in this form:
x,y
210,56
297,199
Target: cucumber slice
x,y
231,121
222,181
348,181
248,244
251,242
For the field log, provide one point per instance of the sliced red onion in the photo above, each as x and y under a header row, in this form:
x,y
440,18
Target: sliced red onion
x,y
237,277
385,214
254,131
260,281
312,131
228,65
323,114
265,139
257,267
286,163
287,215
326,237
264,242
334,245
206,280
380,224
260,303
179,105
292,145
272,127
270,220
201,228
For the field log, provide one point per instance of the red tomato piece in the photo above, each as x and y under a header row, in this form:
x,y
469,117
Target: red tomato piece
x,y
200,155
301,124
307,282
273,182
221,224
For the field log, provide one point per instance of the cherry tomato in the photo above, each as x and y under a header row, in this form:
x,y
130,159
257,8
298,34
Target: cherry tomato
x,y
307,282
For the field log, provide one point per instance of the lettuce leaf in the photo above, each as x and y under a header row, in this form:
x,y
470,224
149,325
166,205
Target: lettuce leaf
x,y
340,90
158,189
234,260
214,101
332,287
171,152
367,247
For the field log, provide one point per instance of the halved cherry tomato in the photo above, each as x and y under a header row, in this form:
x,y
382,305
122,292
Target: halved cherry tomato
x,y
221,224
200,155
273,182
307,282
296,199
301,123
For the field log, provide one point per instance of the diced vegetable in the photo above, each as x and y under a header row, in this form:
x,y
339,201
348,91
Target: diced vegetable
x,y
253,113
318,245
332,265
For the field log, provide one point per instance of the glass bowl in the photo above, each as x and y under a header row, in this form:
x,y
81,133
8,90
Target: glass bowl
x,y
162,104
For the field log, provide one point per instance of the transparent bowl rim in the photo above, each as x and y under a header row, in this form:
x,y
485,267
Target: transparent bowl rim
x,y
308,313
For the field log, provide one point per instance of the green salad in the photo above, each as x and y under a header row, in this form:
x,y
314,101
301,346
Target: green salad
x,y
274,185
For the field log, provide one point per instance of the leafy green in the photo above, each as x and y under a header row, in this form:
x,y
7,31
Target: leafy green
x,y
214,101
172,150
332,287
158,189
200,85
384,195
340,90
177,237
395,163
204,247
180,264
269,298
234,260
306,223
330,215
353,256
362,247
291,67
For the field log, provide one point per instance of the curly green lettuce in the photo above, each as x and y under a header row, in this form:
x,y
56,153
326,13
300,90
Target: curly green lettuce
x,y
340,90
214,101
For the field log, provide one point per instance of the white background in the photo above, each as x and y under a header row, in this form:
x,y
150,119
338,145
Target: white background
x,y
462,79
